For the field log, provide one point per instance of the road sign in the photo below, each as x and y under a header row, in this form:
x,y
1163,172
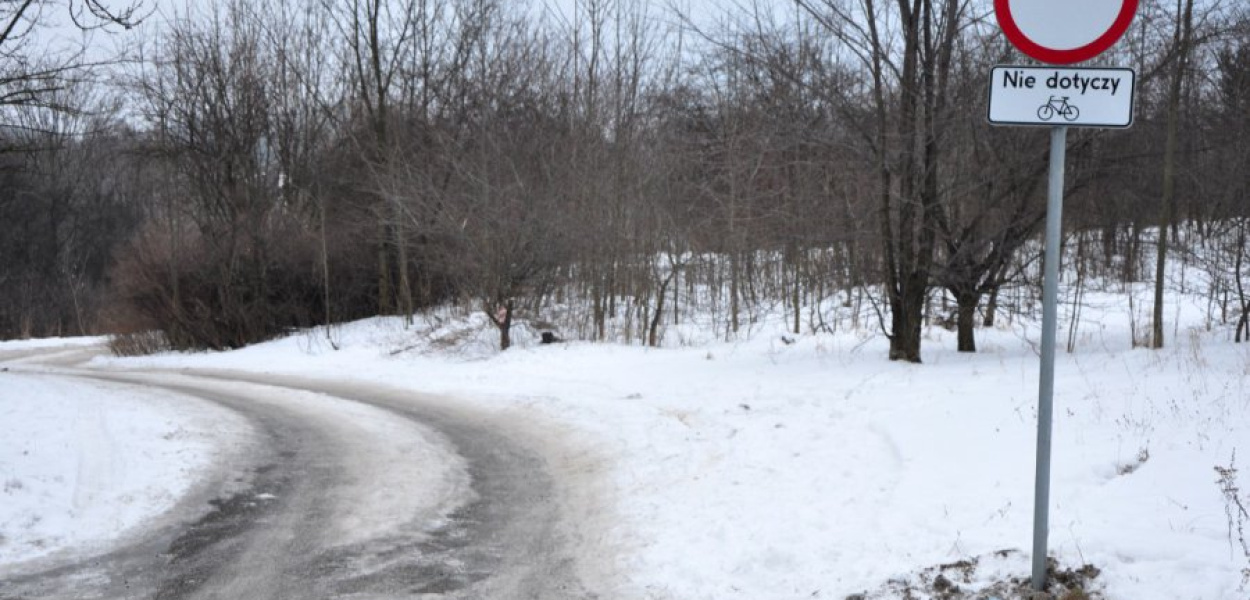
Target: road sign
x,y
1062,32
1068,97
1058,32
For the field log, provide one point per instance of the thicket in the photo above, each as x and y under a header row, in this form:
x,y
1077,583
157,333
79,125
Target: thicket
x,y
610,171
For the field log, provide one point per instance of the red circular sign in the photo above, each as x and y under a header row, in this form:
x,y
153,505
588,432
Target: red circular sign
x,y
1063,56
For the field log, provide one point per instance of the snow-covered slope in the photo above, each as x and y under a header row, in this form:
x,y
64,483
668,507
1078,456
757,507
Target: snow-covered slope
x,y
809,466
813,467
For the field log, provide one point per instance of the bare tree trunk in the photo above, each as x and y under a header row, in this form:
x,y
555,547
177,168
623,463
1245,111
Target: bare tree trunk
x,y
406,307
1182,35
325,272
599,309
797,292
175,238
966,321
385,307
1133,255
734,289
991,307
500,313
677,302
1243,323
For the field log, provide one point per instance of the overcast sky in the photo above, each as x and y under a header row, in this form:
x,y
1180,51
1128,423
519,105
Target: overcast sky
x,y
58,32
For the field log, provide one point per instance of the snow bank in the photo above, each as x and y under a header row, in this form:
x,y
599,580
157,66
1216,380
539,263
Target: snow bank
x,y
84,462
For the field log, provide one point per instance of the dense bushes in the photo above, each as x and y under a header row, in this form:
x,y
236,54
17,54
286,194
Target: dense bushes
x,y
203,294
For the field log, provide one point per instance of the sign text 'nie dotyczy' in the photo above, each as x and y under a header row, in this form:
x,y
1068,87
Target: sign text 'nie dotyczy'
x,y
1072,97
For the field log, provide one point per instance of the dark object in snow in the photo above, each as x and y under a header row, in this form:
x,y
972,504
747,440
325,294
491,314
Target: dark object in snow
x,y
944,585
946,582
787,341
550,338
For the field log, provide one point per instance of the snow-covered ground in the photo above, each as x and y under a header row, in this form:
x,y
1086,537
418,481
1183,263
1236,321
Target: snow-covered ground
x,y
82,462
812,467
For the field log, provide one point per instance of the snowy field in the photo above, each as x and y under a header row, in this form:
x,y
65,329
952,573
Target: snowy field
x,y
809,467
83,462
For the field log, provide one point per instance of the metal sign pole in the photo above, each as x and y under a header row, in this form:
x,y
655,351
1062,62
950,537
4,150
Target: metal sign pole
x,y
1046,387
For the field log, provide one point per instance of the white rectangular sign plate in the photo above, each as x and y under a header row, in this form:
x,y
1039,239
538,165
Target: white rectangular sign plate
x,y
1052,96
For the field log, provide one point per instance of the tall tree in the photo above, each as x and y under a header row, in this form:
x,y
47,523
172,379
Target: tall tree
x,y
1182,40
379,37
906,50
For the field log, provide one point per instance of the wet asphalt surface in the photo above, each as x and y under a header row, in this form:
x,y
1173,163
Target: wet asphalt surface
x,y
265,539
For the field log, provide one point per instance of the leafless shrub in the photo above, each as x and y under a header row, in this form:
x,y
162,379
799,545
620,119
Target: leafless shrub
x,y
1235,510
1128,468
142,343
203,300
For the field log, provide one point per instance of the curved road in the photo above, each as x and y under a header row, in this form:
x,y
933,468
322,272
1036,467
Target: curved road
x,y
347,491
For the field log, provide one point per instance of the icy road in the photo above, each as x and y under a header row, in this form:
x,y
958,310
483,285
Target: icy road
x,y
331,491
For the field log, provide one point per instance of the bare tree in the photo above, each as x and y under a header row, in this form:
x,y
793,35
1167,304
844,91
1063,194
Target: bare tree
x,y
212,98
910,72
392,53
1182,41
31,73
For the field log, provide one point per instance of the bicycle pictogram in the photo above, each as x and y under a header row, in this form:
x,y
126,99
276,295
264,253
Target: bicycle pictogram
x,y
1058,105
